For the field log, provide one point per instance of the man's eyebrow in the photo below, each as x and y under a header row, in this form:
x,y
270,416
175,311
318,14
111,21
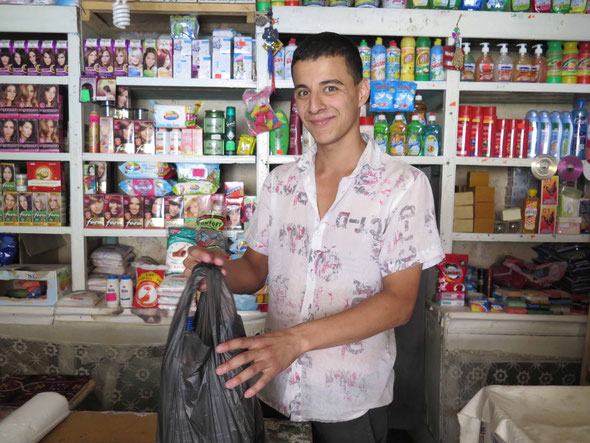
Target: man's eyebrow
x,y
325,82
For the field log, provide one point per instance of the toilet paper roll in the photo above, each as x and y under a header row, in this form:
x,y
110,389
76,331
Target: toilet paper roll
x,y
33,420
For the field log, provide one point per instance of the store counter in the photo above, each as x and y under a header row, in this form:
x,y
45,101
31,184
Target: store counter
x,y
527,414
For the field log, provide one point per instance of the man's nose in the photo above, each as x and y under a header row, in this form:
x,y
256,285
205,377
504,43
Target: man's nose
x,y
316,103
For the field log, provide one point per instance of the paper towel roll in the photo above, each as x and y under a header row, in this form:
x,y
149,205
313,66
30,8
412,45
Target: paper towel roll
x,y
33,420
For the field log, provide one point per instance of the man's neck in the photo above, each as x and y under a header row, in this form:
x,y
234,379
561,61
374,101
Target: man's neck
x,y
339,158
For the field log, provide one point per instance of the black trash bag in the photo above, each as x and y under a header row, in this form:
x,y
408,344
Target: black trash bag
x,y
195,405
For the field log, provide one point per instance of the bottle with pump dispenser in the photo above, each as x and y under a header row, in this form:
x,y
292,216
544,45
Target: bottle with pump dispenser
x,y
437,72
468,73
568,134
432,137
556,135
522,65
365,53
392,62
484,66
398,136
503,69
539,66
545,133
378,60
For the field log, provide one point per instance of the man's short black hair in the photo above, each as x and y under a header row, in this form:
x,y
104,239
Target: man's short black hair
x,y
330,44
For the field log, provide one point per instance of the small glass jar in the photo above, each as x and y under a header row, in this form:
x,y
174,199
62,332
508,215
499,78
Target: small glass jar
x,y
213,144
214,122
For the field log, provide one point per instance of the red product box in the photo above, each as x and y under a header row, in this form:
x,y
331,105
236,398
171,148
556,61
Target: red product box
x,y
234,189
133,211
113,211
451,273
45,177
548,220
94,211
475,147
234,208
522,138
550,191
500,138
123,136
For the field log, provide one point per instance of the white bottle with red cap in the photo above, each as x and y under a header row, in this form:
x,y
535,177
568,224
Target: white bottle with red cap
x,y
289,50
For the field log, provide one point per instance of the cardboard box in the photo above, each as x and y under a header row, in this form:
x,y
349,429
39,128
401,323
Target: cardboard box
x,y
153,212
463,212
40,209
478,179
483,194
483,225
133,211
463,198
201,67
484,210
462,225
221,57
511,214
107,143
550,191
173,211
182,58
124,138
94,211
547,220
10,203
242,65
113,211
45,176
25,208
56,209
58,278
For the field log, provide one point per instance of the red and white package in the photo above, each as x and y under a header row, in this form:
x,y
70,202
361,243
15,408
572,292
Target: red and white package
x,y
451,273
149,278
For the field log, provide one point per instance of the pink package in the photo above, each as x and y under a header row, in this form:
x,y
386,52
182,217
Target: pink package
x,y
28,135
5,58
61,57
90,57
49,99
9,132
451,273
105,66
27,100
48,59
33,57
50,133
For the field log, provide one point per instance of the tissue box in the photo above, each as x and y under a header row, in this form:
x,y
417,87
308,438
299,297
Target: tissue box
x,y
58,278
221,57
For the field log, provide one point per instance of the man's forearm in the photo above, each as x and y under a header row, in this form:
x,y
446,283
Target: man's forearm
x,y
242,277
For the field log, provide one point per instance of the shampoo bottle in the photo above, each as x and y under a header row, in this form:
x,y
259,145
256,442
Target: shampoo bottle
x,y
580,118
545,133
484,67
539,66
568,134
503,69
437,71
556,135
522,65
534,133
468,74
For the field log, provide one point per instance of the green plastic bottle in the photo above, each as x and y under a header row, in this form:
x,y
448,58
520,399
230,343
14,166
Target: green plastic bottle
x,y
279,138
554,61
560,6
381,132
418,4
415,137
520,5
423,59
454,4
438,4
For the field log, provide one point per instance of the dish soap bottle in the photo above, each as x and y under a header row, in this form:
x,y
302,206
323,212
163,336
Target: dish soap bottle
x,y
381,132
539,66
437,71
484,67
432,137
397,136
415,137
569,65
378,60
522,66
423,59
503,71
392,62
530,212
468,74
408,53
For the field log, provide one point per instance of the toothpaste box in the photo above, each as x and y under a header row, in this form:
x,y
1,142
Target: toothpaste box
x,y
221,57
242,65
201,52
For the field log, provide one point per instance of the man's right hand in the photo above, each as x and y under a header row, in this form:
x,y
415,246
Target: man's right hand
x,y
198,255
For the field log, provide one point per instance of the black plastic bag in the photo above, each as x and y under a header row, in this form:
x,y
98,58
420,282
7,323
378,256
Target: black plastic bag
x,y
195,405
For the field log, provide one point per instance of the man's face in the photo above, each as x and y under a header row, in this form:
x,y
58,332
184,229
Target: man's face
x,y
327,99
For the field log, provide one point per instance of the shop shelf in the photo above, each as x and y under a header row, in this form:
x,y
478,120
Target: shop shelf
x,y
222,159
492,161
36,156
36,229
185,83
544,88
522,238
34,80
39,19
429,23
114,232
282,159
422,86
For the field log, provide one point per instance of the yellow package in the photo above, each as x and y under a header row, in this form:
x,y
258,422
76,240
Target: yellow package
x,y
246,145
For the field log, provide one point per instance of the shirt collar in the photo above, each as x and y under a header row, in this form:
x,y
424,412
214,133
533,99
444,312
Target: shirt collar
x,y
371,156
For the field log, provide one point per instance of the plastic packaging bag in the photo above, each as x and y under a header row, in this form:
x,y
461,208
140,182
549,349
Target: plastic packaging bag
x,y
259,114
195,405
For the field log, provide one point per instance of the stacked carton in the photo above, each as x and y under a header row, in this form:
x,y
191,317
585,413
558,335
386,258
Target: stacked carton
x,y
474,207
463,212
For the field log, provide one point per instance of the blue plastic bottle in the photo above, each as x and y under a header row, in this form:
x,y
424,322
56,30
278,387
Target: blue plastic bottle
x,y
432,137
580,118
471,5
568,134
545,139
378,60
437,71
556,135
534,133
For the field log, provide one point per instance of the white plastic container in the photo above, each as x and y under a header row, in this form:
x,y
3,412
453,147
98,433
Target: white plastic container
x,y
289,51
112,294
126,291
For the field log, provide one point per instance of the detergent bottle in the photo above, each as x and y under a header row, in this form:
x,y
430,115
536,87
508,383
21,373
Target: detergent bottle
x,y
378,60
484,67
289,51
522,65
554,60
398,136
408,53
503,68
420,109
392,62
560,6
539,66
423,59
432,137
381,132
534,133
569,65
580,118
496,5
415,137
584,63
568,134
365,53
541,6
545,138
468,74
437,71
556,135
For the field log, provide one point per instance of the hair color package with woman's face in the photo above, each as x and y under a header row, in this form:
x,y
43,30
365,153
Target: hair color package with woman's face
x,y
39,208
150,58
56,213
94,211
50,99
27,99
9,132
61,57
5,57
90,57
50,133
33,57
48,59
28,132
124,140
25,209
121,57
153,212
173,211
133,211
145,138
105,66
19,57
10,200
113,211
135,58
164,58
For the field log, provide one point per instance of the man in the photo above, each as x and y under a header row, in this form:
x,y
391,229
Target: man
x,y
343,235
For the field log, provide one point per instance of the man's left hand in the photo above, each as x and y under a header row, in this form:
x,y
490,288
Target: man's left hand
x,y
268,354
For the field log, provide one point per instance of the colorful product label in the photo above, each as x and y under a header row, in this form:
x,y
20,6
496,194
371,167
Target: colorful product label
x,y
392,65
543,5
554,143
580,133
423,61
569,66
523,73
431,145
397,144
408,55
486,72
554,65
419,3
578,6
504,72
414,145
534,73
566,140
468,72
366,61
381,140
583,66
521,5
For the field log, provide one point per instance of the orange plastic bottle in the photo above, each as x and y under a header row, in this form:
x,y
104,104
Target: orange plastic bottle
x,y
484,66
530,212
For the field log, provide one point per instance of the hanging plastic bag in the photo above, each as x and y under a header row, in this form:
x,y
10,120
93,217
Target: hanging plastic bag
x,y
259,114
195,405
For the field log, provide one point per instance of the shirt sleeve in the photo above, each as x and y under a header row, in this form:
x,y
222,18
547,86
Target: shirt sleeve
x,y
411,236
257,232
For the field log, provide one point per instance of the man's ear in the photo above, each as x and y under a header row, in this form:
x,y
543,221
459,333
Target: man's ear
x,y
364,89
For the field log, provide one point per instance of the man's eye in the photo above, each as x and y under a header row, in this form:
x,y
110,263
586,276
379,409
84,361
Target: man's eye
x,y
302,93
331,89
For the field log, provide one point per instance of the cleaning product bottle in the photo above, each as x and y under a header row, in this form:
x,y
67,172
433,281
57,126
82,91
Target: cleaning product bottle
x,y
381,132
584,63
484,67
418,4
471,5
580,118
415,137
530,212
278,64
455,4
423,59
541,6
503,69
568,134
522,65
556,135
365,53
392,62
560,6
496,5
279,137
394,4
520,5
437,72
579,7
408,53
438,4
534,133
545,133
289,50
397,136
468,74
367,125
420,109
554,60
539,66
432,137
569,65
378,60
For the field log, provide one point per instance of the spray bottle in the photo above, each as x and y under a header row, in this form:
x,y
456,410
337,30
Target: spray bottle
x,y
556,135
522,66
437,72
534,133
408,53
432,136
539,66
365,53
503,71
392,62
381,132
580,118
378,60
484,67
568,134
545,139
468,74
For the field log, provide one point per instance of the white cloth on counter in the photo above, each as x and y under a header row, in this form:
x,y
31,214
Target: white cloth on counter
x,y
528,414
113,259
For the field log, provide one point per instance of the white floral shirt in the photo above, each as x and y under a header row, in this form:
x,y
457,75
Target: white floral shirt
x,y
382,221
